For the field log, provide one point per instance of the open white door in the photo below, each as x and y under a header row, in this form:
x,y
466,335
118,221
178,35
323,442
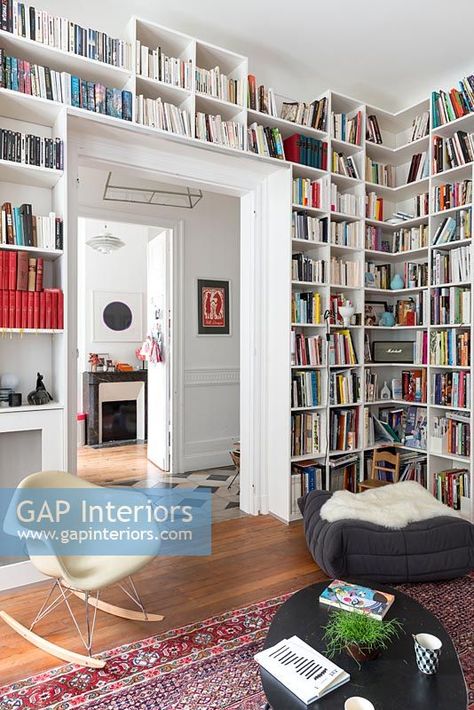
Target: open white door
x,y
159,374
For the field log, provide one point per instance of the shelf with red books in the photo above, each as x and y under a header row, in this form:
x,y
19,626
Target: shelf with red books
x,y
50,254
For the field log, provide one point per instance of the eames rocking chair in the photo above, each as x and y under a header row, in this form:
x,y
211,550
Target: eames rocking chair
x,y
85,577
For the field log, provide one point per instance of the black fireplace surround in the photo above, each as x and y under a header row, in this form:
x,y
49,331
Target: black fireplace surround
x,y
117,424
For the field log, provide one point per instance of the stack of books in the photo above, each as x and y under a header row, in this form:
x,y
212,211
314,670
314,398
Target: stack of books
x,y
421,126
374,206
344,428
419,167
213,82
451,306
312,229
307,350
261,99
451,434
20,227
377,275
450,347
306,389
306,269
37,80
312,115
452,152
344,272
454,228
379,173
309,193
164,116
346,202
305,434
29,149
344,165
306,151
347,127
414,385
453,266
341,349
373,130
267,141
451,389
343,473
306,308
344,387
214,130
450,195
307,476
451,485
348,234
459,102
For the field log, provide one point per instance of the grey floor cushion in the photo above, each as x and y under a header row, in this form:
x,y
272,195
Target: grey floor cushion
x,y
436,549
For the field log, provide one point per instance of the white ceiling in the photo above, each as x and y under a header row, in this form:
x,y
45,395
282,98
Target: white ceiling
x,y
391,54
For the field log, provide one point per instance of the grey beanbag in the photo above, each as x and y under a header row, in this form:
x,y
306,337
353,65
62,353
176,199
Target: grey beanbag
x,y
436,549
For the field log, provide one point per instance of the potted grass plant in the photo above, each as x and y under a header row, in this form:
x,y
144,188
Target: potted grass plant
x,y
359,635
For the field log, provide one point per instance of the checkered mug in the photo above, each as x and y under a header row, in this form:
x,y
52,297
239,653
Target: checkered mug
x,y
427,652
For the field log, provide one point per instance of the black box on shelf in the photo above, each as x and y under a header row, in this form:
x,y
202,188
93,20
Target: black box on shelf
x,y
393,351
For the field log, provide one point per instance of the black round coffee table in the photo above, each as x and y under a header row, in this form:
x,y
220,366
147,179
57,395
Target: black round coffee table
x,y
391,682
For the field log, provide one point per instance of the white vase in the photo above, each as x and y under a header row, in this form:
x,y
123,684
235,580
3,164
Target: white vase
x,y
346,312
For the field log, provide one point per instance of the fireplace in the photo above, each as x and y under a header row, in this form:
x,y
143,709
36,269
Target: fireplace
x,y
115,403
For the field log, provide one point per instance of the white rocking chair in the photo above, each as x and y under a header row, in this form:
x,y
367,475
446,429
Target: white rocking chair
x,y
85,577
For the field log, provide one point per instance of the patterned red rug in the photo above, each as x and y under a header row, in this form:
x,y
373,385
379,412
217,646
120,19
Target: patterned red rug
x,y
209,665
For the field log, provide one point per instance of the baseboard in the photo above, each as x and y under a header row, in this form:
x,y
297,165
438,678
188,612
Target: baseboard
x,y
19,574
212,453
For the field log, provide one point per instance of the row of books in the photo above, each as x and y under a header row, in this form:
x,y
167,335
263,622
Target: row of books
x,y
260,98
342,164
25,20
307,476
312,114
374,206
305,434
459,102
213,82
308,193
373,133
29,149
450,306
306,151
413,384
454,228
20,272
20,227
341,348
421,204
214,129
419,167
347,127
379,173
413,310
346,202
157,65
32,309
37,80
407,426
312,229
306,389
344,429
371,385
451,195
304,268
413,467
452,152
344,387
162,115
420,126
450,347
348,234
264,140
451,434
453,266
343,473
336,300
377,275
344,272
451,389
451,485
307,349
401,240
306,308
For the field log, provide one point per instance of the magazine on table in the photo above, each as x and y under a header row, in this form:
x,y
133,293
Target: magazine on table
x,y
353,597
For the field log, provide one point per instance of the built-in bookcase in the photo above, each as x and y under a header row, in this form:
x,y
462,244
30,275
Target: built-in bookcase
x,y
343,234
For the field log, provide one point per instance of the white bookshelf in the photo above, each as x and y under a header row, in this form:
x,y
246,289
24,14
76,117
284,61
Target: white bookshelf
x,y
46,188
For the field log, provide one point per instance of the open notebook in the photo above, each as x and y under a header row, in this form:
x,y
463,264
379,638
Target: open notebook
x,y
300,668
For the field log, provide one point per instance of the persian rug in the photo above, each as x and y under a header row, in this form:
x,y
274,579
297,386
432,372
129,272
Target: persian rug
x,y
209,665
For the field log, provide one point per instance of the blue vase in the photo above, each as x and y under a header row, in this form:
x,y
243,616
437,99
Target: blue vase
x,y
387,319
397,282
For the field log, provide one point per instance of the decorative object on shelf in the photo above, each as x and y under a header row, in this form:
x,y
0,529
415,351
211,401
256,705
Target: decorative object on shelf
x,y
40,395
10,381
387,320
362,637
213,302
397,282
140,356
123,367
346,310
105,243
385,392
94,361
117,316
393,351
14,399
397,388
373,311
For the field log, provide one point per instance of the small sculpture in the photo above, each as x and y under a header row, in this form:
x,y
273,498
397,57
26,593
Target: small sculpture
x,y
40,395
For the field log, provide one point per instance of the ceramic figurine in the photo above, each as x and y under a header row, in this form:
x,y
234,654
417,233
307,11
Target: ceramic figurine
x,y
397,282
385,392
387,319
40,395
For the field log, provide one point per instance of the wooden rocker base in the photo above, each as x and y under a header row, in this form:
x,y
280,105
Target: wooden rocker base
x,y
117,610
49,647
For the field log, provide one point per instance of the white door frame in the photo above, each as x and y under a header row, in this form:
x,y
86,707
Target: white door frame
x,y
264,189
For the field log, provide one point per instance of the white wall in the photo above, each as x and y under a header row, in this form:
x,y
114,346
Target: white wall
x,y
123,270
211,363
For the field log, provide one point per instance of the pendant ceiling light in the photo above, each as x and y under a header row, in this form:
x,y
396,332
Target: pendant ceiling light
x,y
106,242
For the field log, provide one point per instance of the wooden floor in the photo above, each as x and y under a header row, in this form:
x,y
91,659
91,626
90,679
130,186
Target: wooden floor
x,y
253,558
118,464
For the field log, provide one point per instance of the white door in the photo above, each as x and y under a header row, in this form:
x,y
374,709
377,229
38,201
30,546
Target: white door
x,y
159,374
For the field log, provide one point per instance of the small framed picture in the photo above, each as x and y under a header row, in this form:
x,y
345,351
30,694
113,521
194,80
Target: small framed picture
x,y
373,311
213,306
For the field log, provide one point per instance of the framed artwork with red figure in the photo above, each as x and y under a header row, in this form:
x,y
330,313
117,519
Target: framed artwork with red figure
x,y
213,298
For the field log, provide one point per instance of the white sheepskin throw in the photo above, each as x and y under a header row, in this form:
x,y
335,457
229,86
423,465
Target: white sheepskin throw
x,y
393,506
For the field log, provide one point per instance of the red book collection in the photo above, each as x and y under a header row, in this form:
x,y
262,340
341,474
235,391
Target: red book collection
x,y
24,303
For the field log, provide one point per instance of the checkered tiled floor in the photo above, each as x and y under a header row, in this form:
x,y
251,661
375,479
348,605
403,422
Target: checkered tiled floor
x,y
225,501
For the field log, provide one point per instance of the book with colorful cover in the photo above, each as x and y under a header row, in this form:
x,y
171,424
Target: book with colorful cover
x,y
353,597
